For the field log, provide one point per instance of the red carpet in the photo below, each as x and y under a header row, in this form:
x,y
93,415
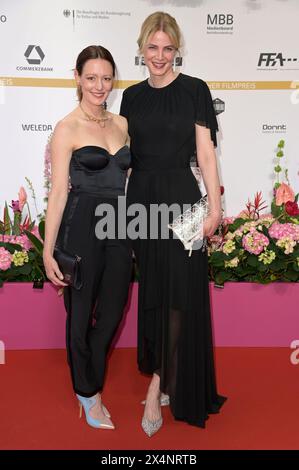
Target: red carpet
x,y
38,409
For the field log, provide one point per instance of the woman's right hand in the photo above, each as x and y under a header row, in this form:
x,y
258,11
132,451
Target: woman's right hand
x,y
52,270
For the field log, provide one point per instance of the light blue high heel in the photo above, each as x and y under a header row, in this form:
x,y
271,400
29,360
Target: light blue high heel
x,y
87,403
106,412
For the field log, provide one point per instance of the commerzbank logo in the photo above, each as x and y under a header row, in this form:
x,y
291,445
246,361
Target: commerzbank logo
x,y
34,56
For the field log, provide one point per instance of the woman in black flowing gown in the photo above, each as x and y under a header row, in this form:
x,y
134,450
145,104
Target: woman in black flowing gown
x,y
171,116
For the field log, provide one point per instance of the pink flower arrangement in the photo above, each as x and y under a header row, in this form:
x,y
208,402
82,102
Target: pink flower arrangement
x,y
228,220
5,259
47,170
15,205
22,198
254,208
291,208
284,193
18,240
255,242
278,231
284,204
21,243
259,247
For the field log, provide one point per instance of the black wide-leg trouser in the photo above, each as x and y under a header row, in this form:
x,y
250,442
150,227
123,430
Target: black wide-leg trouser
x,y
94,311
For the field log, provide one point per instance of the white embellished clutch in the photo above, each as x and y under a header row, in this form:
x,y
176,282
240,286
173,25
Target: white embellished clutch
x,y
188,226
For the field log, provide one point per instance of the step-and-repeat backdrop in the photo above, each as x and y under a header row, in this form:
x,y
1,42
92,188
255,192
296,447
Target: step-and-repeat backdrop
x,y
247,51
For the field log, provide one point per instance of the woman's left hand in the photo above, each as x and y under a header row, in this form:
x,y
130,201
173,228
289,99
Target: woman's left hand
x,y
211,224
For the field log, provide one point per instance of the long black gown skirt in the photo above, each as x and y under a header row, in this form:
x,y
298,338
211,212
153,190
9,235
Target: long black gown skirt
x,y
174,324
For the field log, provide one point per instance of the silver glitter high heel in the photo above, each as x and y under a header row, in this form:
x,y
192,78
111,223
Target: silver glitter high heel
x,y
164,400
151,427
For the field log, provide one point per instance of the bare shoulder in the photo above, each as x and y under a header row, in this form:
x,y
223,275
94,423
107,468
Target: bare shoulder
x,y
65,131
66,125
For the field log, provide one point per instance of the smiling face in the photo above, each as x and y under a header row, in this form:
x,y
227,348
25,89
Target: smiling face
x,y
96,81
159,52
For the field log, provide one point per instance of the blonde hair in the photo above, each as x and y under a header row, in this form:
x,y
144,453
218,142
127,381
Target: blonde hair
x,y
159,21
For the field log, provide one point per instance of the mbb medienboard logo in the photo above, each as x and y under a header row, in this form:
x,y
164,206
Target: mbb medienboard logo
x,y
220,23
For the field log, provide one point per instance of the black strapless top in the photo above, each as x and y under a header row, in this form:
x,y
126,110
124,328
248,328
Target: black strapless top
x,y
93,169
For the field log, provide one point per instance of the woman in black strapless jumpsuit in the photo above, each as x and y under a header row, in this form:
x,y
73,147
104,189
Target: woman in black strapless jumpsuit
x,y
174,325
95,310
88,147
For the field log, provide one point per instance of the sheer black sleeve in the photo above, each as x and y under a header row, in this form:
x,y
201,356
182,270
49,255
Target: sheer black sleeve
x,y
124,106
205,113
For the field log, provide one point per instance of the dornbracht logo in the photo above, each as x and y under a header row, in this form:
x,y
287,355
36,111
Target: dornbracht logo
x,y
274,128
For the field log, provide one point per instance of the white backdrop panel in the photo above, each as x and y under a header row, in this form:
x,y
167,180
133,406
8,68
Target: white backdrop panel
x,y
62,30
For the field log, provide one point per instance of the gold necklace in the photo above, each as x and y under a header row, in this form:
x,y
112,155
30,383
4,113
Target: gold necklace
x,y
101,121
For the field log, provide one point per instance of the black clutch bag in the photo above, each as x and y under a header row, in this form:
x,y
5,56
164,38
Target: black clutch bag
x,y
70,266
